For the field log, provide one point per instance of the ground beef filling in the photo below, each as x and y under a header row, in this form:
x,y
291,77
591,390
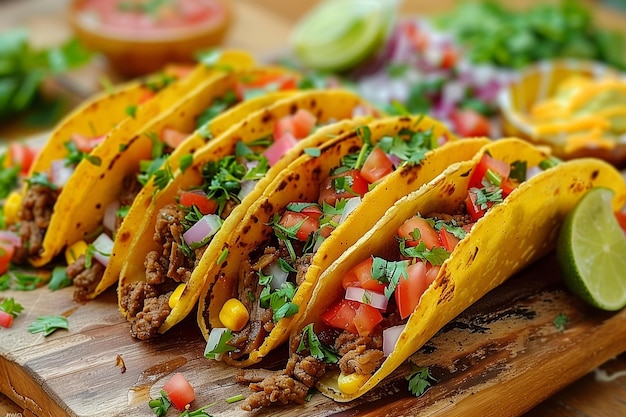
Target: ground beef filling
x,y
260,323
34,219
290,386
85,279
147,301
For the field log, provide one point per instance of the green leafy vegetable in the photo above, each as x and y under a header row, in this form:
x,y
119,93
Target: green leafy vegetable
x,y
8,177
22,69
48,324
316,348
560,321
419,381
40,178
160,405
389,273
222,346
10,306
234,398
59,279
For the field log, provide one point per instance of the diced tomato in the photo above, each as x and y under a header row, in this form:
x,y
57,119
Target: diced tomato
x,y
449,59
6,253
361,276
173,137
354,185
488,163
468,123
621,219
199,199
6,319
146,96
416,230
179,391
179,71
282,145
302,122
431,273
22,155
313,210
417,37
376,166
366,318
307,224
281,81
85,143
409,291
447,239
282,126
341,315
473,209
508,185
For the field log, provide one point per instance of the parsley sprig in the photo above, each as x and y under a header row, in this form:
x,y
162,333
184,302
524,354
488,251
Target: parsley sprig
x,y
389,273
419,380
12,307
222,346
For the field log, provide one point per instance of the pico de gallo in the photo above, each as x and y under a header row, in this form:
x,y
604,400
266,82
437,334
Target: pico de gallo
x,y
185,227
87,274
360,329
299,230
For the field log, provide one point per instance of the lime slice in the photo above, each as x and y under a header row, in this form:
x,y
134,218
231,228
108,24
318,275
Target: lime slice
x,y
591,251
339,34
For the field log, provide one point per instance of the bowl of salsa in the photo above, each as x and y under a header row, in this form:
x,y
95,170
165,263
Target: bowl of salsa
x,y
141,36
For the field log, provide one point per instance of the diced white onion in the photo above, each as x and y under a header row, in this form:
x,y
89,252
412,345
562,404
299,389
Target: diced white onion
x,y
110,215
103,246
390,338
278,275
246,188
59,173
213,342
533,171
375,299
351,205
204,228
319,239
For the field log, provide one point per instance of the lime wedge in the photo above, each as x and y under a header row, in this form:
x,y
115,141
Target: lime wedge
x,y
339,34
591,252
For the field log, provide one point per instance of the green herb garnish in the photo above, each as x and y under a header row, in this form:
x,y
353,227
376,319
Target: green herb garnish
x,y
48,324
419,381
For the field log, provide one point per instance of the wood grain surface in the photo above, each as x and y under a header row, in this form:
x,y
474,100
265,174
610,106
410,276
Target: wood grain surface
x,y
502,357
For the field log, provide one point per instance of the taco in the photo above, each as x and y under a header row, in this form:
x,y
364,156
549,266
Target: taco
x,y
431,255
150,160
187,219
85,147
312,212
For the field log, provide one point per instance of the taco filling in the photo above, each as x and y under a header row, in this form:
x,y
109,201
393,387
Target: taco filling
x,y
270,276
86,274
361,328
185,228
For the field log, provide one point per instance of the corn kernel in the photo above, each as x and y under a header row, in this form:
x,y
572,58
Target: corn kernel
x,y
349,384
234,314
12,207
74,251
175,297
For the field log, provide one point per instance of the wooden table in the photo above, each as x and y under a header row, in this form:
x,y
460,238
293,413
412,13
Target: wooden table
x,y
262,26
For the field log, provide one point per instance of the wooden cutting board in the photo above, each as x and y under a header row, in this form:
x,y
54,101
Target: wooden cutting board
x,y
501,357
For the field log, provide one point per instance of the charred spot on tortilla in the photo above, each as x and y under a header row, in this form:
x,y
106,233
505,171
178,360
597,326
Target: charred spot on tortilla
x,y
449,189
124,236
411,175
473,256
98,206
114,160
595,174
577,187
245,229
267,207
466,173
265,119
254,219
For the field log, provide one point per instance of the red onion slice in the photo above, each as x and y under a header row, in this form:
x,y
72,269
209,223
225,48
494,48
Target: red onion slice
x,y
390,338
280,147
204,228
364,296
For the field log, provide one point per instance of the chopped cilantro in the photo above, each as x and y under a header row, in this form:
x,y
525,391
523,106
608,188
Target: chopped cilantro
x,y
518,171
218,106
222,346
160,405
48,324
10,306
131,110
59,279
316,348
389,272
560,321
435,255
419,380
279,300
549,163
185,162
314,152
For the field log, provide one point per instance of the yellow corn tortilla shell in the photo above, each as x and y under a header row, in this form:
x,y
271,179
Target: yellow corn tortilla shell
x,y
80,206
183,117
513,234
301,182
327,105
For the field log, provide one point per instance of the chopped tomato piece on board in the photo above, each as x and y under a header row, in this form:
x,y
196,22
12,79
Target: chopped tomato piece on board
x,y
179,391
6,319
